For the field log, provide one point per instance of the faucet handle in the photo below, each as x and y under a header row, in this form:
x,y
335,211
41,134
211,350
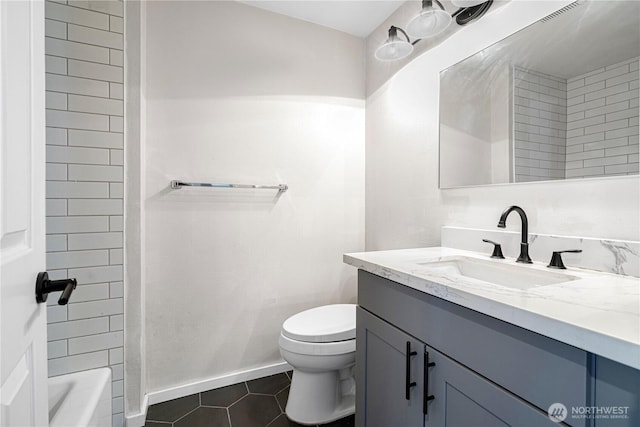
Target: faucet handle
x,y
556,258
497,249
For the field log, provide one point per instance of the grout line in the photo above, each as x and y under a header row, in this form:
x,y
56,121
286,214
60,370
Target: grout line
x,y
280,406
94,28
89,10
194,409
238,400
228,417
91,44
263,394
273,420
60,127
84,60
160,422
84,112
283,388
84,77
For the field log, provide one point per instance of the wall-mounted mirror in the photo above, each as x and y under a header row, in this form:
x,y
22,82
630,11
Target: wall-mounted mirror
x,y
556,100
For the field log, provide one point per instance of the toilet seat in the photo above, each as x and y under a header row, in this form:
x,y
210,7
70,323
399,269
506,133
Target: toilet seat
x,y
317,349
326,324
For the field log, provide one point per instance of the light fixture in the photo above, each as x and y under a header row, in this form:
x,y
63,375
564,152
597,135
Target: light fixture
x,y
394,48
472,12
430,21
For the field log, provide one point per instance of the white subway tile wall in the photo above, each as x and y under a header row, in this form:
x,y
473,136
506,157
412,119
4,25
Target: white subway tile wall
x,y
589,130
85,106
540,115
602,125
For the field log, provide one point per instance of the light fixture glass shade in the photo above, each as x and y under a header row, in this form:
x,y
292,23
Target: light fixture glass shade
x,y
428,23
466,3
394,49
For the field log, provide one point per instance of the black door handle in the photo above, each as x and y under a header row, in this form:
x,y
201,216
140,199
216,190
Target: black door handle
x,y
427,396
44,287
408,382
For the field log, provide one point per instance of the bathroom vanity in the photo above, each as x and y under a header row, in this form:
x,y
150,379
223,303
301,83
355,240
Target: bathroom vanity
x,y
439,346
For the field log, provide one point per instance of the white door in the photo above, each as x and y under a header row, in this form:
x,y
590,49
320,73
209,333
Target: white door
x,y
23,352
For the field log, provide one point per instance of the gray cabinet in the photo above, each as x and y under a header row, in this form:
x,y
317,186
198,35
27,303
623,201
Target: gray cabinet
x,y
403,382
390,363
616,397
462,398
489,370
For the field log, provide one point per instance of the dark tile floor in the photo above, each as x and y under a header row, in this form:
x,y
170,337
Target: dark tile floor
x,y
256,403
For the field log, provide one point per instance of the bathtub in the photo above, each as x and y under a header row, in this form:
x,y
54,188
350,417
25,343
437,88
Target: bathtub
x,y
81,399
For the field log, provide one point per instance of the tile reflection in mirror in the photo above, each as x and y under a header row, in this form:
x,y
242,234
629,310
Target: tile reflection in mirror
x,y
556,100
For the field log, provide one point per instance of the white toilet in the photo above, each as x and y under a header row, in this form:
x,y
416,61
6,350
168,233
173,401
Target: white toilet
x,y
320,345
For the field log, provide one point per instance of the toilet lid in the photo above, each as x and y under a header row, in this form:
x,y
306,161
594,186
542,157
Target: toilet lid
x,y
328,323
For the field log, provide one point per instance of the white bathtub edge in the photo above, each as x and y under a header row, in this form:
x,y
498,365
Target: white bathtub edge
x,y
81,406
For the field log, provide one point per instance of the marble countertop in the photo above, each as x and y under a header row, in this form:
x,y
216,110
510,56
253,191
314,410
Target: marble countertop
x,y
597,312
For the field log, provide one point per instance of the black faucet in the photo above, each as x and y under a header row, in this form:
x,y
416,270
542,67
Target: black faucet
x,y
524,246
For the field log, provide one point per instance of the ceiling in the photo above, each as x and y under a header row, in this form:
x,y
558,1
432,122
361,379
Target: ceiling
x,y
356,17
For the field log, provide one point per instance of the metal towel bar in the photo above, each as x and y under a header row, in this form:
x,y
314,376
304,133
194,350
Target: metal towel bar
x,y
179,184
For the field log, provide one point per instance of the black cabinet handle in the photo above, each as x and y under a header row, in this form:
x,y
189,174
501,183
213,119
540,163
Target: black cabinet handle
x,y
425,392
408,382
44,287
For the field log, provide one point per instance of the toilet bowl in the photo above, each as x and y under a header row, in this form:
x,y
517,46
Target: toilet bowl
x,y
320,345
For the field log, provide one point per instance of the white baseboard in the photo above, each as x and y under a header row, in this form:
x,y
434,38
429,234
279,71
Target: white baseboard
x,y
137,420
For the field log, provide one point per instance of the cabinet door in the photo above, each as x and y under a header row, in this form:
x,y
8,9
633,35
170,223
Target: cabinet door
x,y
462,398
385,372
617,395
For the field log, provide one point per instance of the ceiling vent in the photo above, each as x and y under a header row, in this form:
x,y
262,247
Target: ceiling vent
x,y
563,10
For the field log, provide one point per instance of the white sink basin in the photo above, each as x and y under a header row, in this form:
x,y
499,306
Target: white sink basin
x,y
498,273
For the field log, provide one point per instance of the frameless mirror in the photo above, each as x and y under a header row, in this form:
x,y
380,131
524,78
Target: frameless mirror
x,y
556,100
